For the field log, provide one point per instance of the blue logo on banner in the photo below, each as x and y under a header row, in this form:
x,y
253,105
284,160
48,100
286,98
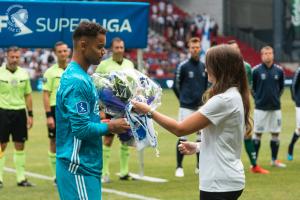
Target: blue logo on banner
x,y
42,23
82,107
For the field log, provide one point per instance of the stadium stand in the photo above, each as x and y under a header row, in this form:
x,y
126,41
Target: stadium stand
x,y
170,28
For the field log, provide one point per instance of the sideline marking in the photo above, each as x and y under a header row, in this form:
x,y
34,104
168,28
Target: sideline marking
x,y
120,193
30,174
146,178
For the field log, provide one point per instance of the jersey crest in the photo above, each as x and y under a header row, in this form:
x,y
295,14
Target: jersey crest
x,y
82,107
14,82
191,74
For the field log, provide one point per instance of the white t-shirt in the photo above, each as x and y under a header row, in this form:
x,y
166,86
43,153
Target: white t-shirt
x,y
221,168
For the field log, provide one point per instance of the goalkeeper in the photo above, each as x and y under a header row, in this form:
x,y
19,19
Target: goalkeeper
x,y
78,127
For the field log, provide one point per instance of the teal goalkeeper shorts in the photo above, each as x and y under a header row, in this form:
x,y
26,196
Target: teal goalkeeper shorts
x,y
74,186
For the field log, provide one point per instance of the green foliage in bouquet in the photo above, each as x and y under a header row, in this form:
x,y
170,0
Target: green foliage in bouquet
x,y
123,88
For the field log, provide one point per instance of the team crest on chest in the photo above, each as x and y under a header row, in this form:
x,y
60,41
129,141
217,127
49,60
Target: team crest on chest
x,y
14,82
276,77
191,74
263,76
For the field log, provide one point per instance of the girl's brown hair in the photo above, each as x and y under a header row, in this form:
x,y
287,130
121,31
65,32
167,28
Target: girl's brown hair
x,y
227,66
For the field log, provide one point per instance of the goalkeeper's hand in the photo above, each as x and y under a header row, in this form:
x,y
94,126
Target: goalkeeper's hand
x,y
118,126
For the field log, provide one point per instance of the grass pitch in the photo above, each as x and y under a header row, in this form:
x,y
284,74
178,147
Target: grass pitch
x,y
281,184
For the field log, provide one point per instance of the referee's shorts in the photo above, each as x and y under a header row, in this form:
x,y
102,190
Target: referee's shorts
x,y
76,186
109,134
13,122
52,131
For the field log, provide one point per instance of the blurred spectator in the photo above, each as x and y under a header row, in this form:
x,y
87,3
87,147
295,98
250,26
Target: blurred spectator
x,y
172,28
35,61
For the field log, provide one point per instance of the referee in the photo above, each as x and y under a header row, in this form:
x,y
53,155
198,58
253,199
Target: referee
x,y
15,97
51,82
114,63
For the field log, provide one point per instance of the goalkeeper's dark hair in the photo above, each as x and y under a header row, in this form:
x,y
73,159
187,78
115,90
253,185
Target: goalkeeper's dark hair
x,y
227,66
88,29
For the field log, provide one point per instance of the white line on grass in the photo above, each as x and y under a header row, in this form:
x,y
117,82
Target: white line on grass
x,y
146,178
134,196
120,193
30,174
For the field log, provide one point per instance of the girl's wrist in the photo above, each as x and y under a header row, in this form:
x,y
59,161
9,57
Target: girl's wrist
x,y
150,112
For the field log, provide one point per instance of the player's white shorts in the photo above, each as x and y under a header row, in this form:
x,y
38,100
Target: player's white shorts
x,y
267,121
184,113
298,117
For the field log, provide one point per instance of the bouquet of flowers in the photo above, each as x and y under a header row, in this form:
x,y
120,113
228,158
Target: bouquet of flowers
x,y
116,90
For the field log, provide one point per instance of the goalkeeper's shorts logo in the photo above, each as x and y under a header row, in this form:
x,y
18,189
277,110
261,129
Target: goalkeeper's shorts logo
x,y
82,107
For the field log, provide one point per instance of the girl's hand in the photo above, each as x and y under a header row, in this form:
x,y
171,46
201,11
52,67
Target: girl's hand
x,y
187,148
140,107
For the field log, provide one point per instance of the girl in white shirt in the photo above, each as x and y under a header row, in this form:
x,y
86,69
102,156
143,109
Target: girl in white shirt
x,y
223,118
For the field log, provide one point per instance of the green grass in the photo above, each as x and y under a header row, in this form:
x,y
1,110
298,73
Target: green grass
x,y
280,184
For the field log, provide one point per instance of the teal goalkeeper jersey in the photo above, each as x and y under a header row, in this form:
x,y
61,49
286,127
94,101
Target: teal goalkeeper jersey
x,y
78,126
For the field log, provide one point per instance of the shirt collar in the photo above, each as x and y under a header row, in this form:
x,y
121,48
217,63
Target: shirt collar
x,y
265,66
